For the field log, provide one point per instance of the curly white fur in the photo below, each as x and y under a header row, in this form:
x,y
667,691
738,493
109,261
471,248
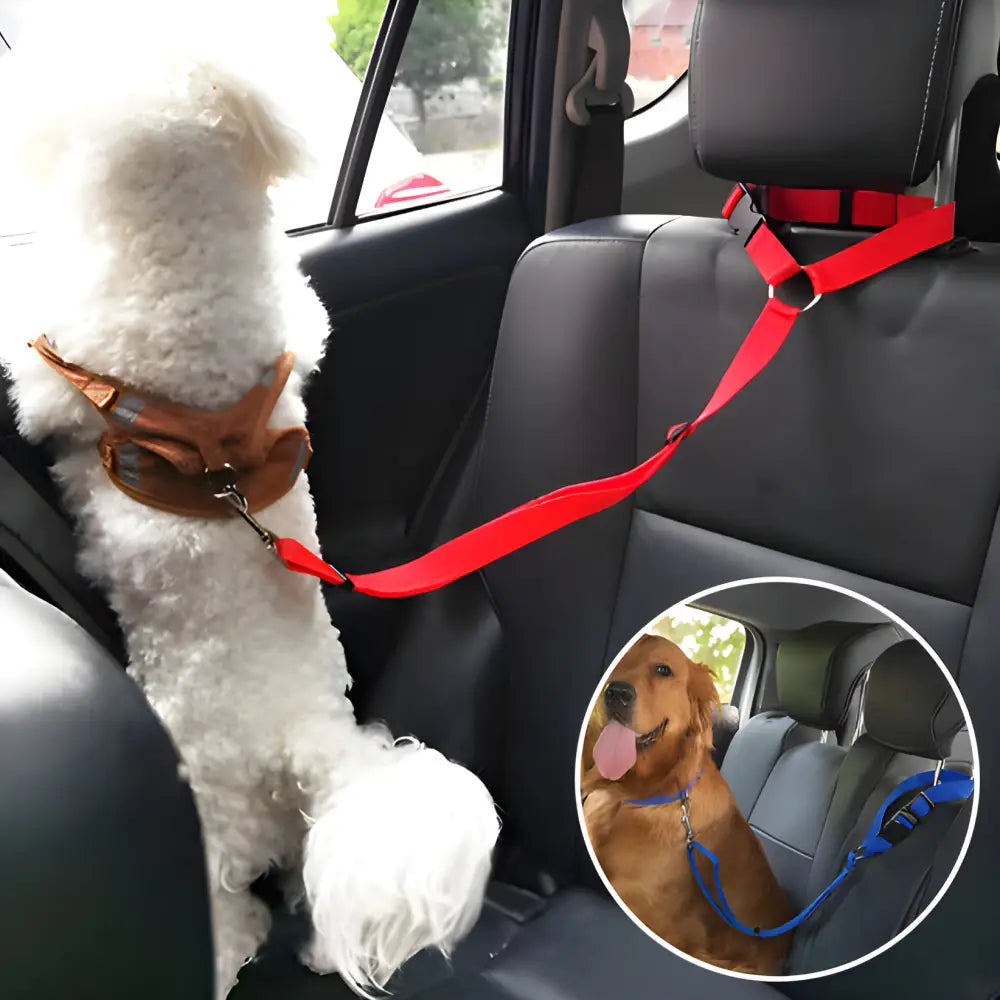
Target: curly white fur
x,y
168,272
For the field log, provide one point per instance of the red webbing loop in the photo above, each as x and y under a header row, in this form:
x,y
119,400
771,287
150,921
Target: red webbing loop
x,y
870,209
907,238
802,205
544,515
773,261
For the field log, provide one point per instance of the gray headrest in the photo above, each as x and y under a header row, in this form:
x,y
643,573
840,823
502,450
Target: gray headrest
x,y
827,94
819,667
909,705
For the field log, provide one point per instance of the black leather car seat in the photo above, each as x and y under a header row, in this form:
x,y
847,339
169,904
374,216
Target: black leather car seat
x,y
782,774
104,890
867,455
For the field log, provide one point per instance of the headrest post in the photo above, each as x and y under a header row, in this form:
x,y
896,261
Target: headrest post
x,y
947,167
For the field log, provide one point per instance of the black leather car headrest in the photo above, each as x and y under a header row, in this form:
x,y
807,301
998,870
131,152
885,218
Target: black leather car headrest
x,y
819,667
909,705
849,94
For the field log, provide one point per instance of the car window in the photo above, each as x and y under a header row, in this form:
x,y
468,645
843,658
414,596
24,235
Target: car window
x,y
661,45
325,115
442,129
707,638
307,77
15,216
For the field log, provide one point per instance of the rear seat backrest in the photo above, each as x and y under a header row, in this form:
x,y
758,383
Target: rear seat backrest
x,y
782,776
912,717
867,455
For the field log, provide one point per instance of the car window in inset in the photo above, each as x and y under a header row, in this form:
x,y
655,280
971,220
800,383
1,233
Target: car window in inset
x,y
442,129
661,46
707,638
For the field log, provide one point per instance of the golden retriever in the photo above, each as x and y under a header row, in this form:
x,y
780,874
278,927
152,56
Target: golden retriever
x,y
650,735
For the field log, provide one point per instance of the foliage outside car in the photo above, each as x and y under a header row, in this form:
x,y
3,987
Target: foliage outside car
x,y
706,638
449,41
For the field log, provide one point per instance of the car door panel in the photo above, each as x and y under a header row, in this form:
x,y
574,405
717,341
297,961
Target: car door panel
x,y
415,301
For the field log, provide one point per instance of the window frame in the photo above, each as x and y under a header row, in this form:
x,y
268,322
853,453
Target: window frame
x,y
652,104
657,100
388,48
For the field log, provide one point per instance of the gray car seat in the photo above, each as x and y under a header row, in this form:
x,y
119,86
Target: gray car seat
x,y
782,774
912,718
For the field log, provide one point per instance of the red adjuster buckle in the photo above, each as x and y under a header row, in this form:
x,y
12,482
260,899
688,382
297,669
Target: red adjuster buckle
x,y
678,432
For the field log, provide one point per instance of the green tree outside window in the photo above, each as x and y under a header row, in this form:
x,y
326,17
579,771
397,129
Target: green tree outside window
x,y
706,638
448,41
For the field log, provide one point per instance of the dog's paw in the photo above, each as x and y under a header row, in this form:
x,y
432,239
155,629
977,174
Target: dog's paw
x,y
397,862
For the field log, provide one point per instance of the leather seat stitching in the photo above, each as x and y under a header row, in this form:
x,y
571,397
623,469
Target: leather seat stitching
x,y
927,91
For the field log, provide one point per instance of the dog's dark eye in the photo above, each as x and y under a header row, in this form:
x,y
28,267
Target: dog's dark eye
x,y
662,670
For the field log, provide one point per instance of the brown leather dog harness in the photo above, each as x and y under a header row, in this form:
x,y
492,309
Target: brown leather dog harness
x,y
189,461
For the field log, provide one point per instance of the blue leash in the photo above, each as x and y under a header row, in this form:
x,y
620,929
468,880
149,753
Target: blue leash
x,y
882,836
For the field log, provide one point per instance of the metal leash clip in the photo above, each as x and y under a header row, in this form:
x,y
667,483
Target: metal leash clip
x,y
686,820
223,484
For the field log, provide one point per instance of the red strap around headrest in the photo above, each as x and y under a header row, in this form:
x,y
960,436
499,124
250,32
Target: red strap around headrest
x,y
868,209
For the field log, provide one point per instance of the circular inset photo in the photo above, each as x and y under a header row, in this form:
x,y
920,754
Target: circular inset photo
x,y
777,779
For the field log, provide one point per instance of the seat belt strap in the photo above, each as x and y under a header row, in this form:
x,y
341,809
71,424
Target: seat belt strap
x,y
883,834
598,189
536,518
38,542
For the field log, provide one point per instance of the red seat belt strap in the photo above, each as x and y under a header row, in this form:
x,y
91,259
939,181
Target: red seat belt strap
x,y
544,515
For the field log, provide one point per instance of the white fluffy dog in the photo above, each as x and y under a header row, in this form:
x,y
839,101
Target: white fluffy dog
x,y
169,273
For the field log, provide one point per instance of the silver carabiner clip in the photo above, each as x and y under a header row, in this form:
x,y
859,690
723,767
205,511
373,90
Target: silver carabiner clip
x,y
686,820
224,488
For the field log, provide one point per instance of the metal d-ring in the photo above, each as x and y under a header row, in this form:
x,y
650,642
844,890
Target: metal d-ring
x,y
805,309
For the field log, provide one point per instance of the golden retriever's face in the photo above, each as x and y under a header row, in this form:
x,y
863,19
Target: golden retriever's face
x,y
665,698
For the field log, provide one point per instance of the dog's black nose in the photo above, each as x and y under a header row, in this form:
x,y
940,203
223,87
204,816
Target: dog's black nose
x,y
619,697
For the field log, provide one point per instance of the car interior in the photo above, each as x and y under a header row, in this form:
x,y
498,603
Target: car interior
x,y
838,705
502,343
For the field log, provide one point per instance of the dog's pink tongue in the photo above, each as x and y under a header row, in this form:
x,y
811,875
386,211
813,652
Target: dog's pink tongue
x,y
614,751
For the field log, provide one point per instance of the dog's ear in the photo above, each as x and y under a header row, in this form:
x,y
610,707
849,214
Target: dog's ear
x,y
705,702
272,148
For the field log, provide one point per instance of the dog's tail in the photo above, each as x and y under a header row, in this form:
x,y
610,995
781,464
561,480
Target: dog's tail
x,y
395,862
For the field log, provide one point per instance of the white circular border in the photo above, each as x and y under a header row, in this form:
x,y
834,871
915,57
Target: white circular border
x,y
975,795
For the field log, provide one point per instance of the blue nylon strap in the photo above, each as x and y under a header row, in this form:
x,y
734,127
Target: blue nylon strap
x,y
721,907
952,786
662,800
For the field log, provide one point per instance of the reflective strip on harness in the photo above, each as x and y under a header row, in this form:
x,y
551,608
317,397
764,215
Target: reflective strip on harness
x,y
536,518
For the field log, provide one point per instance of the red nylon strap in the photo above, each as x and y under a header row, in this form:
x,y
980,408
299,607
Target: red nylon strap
x,y
544,515
871,209
802,205
906,238
773,261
